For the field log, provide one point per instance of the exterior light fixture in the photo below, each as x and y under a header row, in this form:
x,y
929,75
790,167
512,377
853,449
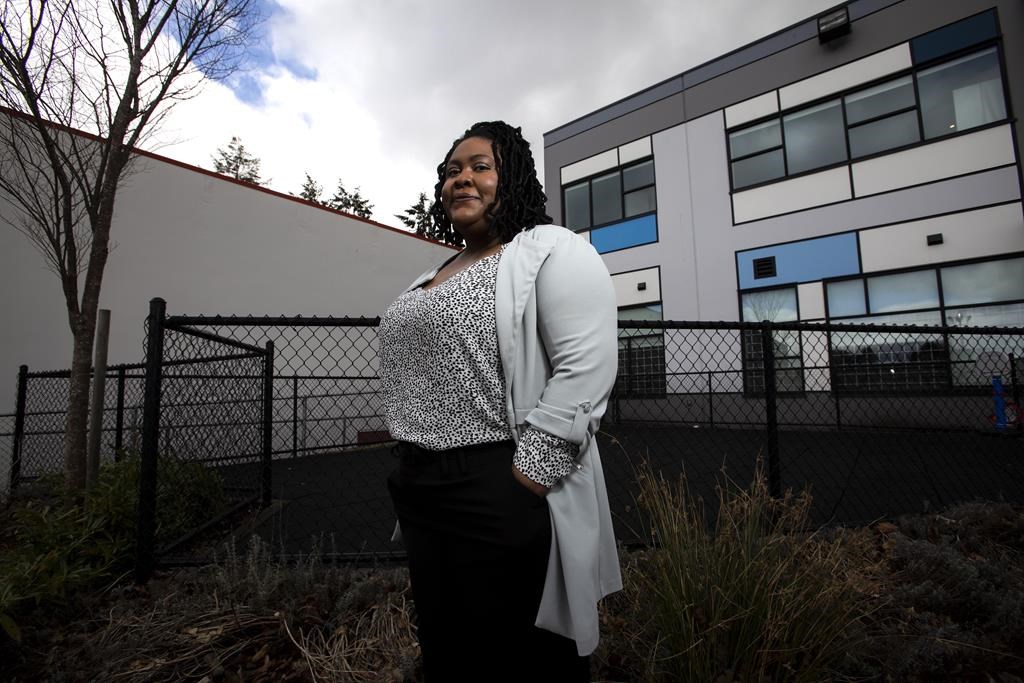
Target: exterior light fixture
x,y
833,24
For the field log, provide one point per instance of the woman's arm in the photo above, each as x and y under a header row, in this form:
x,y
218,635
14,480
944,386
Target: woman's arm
x,y
577,323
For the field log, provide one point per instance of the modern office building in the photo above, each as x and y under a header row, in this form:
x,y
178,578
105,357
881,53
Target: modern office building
x,y
861,165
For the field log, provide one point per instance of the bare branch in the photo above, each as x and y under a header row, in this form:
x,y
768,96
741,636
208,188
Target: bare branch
x,y
83,81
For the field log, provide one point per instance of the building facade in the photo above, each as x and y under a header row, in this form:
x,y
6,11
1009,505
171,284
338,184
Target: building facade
x,y
872,176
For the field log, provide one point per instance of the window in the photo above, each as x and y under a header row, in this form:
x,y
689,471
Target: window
x,y
756,154
903,292
962,94
775,305
957,95
610,196
814,137
987,293
641,354
882,117
982,283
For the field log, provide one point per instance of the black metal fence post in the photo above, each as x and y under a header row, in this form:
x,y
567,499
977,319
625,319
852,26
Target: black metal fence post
x,y
146,530
771,409
295,416
19,426
1015,391
119,419
711,402
268,421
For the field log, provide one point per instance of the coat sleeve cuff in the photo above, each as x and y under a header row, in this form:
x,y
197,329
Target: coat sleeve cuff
x,y
569,425
543,457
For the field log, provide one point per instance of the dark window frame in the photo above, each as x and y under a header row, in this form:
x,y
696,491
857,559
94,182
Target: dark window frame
x,y
943,382
622,194
752,358
842,94
652,383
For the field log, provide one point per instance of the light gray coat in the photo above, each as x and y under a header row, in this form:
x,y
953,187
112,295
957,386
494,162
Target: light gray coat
x,y
557,336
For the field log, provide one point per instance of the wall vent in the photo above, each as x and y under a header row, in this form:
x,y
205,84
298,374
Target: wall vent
x,y
764,267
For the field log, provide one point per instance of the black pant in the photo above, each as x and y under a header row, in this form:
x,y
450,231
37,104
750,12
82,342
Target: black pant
x,y
478,544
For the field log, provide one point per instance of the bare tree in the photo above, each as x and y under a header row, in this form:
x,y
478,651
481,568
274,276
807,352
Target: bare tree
x,y
113,69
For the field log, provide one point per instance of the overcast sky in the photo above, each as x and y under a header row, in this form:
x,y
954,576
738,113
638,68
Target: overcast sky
x,y
375,91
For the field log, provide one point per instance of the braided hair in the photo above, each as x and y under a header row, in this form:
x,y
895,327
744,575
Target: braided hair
x,y
520,202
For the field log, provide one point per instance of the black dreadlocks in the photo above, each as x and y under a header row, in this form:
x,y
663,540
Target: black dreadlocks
x,y
520,200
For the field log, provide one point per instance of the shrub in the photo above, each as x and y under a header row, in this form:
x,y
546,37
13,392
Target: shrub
x,y
752,597
61,542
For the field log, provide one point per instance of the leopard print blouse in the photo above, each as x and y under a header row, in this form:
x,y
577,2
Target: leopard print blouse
x,y
441,377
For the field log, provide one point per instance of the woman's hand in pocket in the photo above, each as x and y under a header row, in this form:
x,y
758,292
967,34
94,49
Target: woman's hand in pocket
x,y
538,489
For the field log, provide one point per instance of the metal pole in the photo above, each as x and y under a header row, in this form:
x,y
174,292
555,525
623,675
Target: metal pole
x,y
771,409
295,416
144,554
268,419
19,426
119,424
1015,391
99,387
711,402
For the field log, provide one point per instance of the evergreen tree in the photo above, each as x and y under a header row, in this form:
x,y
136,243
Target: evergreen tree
x,y
312,191
417,216
237,163
350,202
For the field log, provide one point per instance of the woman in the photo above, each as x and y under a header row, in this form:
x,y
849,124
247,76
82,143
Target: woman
x,y
496,368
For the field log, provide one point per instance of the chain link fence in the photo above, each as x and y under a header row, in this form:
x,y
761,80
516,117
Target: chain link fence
x,y
284,415
33,437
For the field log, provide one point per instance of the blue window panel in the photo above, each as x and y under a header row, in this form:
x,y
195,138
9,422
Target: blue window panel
x,y
943,41
805,261
625,234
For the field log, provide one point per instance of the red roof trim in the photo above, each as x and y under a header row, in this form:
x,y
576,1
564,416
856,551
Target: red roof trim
x,y
228,179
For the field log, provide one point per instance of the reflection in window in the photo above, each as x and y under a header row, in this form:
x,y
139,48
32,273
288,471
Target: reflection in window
x,y
889,361
756,154
975,357
883,134
846,297
903,291
979,283
607,198
763,136
879,100
641,354
577,206
815,137
882,117
775,305
961,94
758,169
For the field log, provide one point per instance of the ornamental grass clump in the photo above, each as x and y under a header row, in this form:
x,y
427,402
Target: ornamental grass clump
x,y
752,596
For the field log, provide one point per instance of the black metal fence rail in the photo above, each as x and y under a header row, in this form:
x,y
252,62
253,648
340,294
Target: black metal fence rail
x,y
877,420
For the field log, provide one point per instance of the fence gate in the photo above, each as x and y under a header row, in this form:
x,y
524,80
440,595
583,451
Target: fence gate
x,y
205,434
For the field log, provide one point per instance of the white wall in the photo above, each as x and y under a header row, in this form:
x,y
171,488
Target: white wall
x,y
208,246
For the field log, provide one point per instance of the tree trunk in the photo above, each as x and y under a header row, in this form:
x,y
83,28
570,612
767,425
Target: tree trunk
x,y
78,406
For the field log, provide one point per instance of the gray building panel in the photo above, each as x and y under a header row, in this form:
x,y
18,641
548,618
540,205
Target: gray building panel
x,y
956,194
642,99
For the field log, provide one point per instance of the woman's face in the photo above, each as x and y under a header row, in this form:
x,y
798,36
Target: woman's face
x,y
470,186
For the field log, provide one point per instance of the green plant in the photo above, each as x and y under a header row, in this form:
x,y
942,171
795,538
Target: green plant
x,y
60,543
753,597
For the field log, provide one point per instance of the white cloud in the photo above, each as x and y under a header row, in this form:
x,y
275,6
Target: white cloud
x,y
397,81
